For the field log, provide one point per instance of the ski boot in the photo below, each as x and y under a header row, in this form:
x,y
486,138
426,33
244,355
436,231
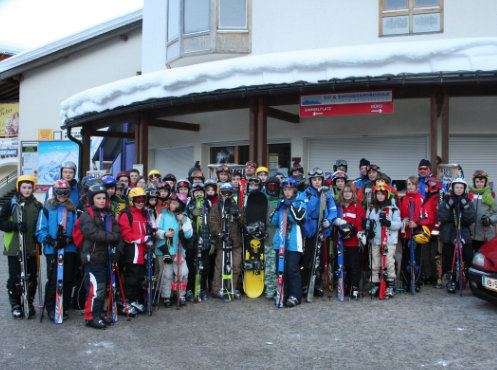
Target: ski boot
x,y
17,312
318,292
167,302
32,311
236,294
355,293
292,301
451,286
182,301
189,296
375,290
390,290
138,306
219,294
203,295
127,310
96,323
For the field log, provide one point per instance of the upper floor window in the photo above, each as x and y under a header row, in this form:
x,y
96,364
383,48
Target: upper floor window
x,y
406,17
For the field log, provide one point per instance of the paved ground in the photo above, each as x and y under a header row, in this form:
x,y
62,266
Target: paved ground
x,y
429,330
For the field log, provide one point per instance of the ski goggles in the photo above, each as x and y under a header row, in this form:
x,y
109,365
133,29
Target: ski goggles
x,y
250,164
374,167
424,168
226,193
62,192
139,200
480,174
154,176
316,172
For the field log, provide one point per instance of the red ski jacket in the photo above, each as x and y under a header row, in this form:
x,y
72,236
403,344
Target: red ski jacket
x,y
429,212
134,235
405,210
354,213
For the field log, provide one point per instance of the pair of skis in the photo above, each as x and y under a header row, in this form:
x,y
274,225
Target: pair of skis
x,y
412,259
59,291
383,252
457,272
23,262
201,224
227,273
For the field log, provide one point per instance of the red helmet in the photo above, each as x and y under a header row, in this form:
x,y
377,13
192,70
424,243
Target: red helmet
x,y
61,188
434,185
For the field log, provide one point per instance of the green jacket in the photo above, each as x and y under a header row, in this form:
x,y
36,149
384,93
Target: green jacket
x,y
10,216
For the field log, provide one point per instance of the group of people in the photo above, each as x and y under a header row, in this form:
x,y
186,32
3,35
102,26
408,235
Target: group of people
x,y
108,224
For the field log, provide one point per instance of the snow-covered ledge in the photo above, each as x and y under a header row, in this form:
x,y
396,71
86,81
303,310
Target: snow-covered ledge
x,y
453,55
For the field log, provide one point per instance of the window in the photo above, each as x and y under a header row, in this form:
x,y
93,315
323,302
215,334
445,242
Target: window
x,y
173,17
232,14
407,17
196,16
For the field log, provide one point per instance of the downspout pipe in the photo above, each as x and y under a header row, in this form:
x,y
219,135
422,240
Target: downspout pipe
x,y
80,157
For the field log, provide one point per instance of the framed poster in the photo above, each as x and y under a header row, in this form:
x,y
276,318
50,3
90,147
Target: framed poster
x,y
51,154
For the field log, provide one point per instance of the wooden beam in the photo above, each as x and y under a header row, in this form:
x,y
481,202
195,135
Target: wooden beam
x,y
433,131
282,115
445,127
85,152
261,133
174,125
252,130
114,134
114,121
144,122
201,107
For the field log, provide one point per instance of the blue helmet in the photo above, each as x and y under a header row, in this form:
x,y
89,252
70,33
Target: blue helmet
x,y
226,187
289,182
109,181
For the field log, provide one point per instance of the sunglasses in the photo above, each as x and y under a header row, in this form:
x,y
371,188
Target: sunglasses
x,y
424,168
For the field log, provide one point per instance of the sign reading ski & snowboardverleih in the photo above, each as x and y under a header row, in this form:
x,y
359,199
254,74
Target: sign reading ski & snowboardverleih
x,y
356,102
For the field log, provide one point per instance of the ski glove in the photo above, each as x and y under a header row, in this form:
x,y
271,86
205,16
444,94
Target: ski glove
x,y
297,213
67,240
325,223
362,238
485,220
234,212
197,212
385,222
464,203
450,203
340,221
114,256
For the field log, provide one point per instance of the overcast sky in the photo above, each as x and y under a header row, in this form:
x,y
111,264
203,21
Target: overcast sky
x,y
33,23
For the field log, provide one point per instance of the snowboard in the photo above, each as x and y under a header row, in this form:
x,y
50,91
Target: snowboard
x,y
255,233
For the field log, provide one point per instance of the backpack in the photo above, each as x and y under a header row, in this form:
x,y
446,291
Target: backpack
x,y
77,236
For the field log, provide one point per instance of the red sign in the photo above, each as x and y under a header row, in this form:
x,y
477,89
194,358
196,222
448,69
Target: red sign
x,y
357,102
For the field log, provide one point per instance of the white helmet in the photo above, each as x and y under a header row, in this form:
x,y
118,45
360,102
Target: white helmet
x,y
459,180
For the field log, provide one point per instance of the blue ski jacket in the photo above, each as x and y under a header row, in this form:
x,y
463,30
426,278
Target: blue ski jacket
x,y
48,224
295,237
74,196
312,215
167,220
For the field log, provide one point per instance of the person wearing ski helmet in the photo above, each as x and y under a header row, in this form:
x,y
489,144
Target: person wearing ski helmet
x,y
13,227
236,181
338,180
68,171
456,213
154,178
297,173
364,192
83,201
226,205
173,223
424,172
313,195
94,253
383,214
171,180
340,165
164,192
183,187
273,197
125,179
211,191
263,174
349,226
113,200
363,177
410,213
195,174
293,205
485,203
223,174
254,183
152,196
55,237
137,233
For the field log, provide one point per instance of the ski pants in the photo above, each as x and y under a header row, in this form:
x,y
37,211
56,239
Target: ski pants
x,y
448,256
51,285
191,262
270,277
134,276
14,281
377,258
169,274
352,265
307,261
95,284
218,268
293,278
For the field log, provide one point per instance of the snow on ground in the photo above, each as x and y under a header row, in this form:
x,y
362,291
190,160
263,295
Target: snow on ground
x,y
453,55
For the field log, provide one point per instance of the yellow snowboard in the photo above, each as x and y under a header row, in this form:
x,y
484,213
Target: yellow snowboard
x,y
253,282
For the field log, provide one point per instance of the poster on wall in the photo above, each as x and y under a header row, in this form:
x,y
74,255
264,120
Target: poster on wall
x,y
29,158
51,154
9,129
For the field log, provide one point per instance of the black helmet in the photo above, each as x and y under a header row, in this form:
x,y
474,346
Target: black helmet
x,y
256,180
151,193
273,186
94,190
89,182
340,163
347,231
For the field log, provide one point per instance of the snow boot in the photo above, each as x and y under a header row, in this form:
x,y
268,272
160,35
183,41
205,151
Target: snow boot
x,y
236,294
355,293
219,294
167,302
292,301
17,312
375,289
182,301
189,296
390,290
96,323
203,295
451,286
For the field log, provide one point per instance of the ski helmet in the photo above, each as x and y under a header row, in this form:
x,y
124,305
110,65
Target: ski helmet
x,y
434,185
109,181
61,188
373,167
273,186
151,193
347,231
340,163
211,182
338,175
119,186
289,182
181,199
226,189
68,164
90,182
459,180
169,177
261,169
183,183
96,188
135,195
254,180
123,174
296,166
154,174
316,172
198,186
383,187
480,174
422,235
25,178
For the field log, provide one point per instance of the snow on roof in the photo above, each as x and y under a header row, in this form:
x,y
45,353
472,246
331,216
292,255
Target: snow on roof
x,y
449,55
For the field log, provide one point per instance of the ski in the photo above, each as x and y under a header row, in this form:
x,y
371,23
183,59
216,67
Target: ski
x,y
59,292
23,262
412,261
383,252
200,225
458,251
227,273
112,306
339,272
317,244
178,285
283,223
150,274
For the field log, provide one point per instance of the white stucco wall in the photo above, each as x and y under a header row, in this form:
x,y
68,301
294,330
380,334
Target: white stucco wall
x,y
43,89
